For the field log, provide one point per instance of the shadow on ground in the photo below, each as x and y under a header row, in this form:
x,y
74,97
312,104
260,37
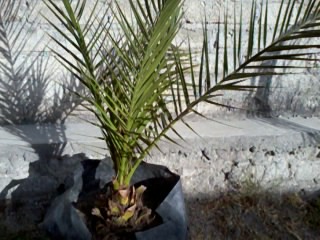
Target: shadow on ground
x,y
244,214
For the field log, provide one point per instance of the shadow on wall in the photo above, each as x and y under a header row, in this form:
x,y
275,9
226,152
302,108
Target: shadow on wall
x,y
25,81
283,95
303,99
257,102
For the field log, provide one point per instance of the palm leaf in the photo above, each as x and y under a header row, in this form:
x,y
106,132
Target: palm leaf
x,y
124,97
141,85
285,30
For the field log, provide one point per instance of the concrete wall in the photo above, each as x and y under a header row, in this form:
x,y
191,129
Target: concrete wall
x,y
30,76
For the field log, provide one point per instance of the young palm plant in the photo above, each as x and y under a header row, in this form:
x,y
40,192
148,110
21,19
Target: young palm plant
x,y
140,84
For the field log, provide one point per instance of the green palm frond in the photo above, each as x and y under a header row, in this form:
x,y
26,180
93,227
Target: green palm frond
x,y
126,94
258,60
140,84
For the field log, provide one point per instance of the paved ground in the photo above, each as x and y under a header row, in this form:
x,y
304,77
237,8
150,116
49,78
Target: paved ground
x,y
215,128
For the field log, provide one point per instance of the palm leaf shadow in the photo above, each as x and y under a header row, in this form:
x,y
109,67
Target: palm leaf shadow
x,y
25,81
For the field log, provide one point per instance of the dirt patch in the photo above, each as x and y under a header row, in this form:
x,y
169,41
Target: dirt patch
x,y
255,215
233,215
19,220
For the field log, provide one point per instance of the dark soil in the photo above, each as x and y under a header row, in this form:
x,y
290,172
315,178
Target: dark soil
x,y
255,215
19,221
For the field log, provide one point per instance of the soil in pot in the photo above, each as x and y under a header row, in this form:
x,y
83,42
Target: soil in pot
x,y
101,225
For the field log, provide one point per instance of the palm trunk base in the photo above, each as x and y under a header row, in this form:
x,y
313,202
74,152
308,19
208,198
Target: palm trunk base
x,y
78,218
120,211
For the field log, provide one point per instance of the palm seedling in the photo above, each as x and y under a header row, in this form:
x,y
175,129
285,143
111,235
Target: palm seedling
x,y
140,84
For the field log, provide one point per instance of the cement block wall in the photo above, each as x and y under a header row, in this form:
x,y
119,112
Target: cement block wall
x,y
35,95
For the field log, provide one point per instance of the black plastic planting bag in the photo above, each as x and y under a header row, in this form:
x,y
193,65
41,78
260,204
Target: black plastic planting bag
x,y
164,193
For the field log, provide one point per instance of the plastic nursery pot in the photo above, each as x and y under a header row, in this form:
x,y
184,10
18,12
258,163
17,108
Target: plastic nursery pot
x,y
163,195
